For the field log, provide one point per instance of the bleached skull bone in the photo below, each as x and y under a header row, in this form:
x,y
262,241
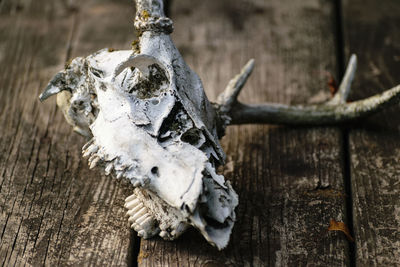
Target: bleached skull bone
x,y
149,121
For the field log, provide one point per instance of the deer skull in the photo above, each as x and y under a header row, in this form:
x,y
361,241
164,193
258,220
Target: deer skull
x,y
144,127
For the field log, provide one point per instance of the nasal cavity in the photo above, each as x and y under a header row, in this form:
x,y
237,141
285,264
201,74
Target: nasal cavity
x,y
154,171
191,136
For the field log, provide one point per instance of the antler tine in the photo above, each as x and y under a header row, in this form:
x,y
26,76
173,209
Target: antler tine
x,y
323,114
345,86
229,96
149,8
333,111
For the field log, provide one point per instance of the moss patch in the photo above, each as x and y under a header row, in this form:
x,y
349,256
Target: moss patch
x,y
150,86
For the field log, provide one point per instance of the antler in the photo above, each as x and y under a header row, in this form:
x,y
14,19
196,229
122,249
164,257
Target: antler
x,y
333,111
150,16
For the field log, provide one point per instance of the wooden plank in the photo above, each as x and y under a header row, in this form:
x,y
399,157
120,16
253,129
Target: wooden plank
x,y
107,23
289,180
53,210
371,29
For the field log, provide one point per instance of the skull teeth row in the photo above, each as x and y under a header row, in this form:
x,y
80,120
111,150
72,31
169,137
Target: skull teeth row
x,y
96,157
139,217
90,149
142,222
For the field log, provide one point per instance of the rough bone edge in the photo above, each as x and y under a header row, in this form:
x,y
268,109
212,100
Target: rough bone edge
x,y
334,111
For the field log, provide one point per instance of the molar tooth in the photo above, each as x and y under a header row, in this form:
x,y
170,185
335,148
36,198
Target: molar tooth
x,y
130,198
141,233
88,144
140,213
91,149
108,168
120,166
138,207
141,219
173,232
135,209
137,227
94,163
147,220
131,204
124,166
132,220
163,234
92,157
163,227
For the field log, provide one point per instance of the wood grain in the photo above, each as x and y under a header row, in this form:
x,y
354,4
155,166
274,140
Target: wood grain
x,y
371,30
289,180
53,210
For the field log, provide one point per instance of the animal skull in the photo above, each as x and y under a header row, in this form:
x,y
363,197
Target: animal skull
x,y
149,121
143,127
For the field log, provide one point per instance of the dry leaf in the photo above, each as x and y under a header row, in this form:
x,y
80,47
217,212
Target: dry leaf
x,y
340,226
333,88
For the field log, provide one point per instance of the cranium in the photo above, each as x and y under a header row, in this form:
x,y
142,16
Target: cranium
x,y
149,121
143,126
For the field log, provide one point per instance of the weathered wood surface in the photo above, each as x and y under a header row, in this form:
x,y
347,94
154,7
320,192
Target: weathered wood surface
x,y
371,29
289,180
53,210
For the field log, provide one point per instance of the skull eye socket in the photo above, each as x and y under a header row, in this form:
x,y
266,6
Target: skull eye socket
x,y
152,85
